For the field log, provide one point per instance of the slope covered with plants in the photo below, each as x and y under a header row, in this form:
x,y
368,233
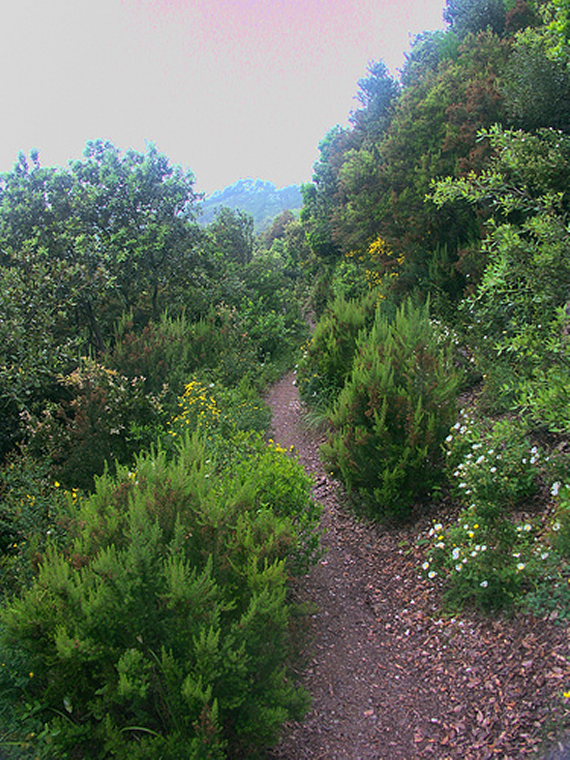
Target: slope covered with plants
x,y
148,530
439,230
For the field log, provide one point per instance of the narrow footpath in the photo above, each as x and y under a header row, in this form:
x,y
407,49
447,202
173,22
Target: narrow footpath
x,y
392,678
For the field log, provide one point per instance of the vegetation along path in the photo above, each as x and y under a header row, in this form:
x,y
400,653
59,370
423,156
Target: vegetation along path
x,y
393,679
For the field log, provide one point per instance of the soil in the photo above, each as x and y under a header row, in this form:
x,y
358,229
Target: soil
x,y
391,676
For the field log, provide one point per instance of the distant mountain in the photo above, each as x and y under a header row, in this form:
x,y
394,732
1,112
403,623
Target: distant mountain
x,y
255,196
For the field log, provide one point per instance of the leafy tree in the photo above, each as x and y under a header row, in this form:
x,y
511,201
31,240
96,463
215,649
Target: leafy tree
x,y
232,234
536,88
120,222
472,16
427,51
377,94
518,312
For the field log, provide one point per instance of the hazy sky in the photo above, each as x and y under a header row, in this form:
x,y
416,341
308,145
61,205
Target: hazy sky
x,y
228,88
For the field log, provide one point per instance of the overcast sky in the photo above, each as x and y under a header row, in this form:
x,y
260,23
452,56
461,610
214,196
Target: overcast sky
x,y
227,88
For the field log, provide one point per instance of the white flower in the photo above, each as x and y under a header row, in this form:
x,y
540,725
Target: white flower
x,y
437,527
476,446
484,584
534,450
555,488
462,429
462,485
533,460
425,566
493,469
458,567
455,553
480,459
544,555
521,566
440,545
484,548
473,553
491,451
556,526
527,527
516,554
432,574
466,527
449,439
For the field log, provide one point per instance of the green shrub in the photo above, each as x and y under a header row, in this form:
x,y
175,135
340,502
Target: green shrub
x,y
162,629
394,412
106,417
219,411
32,507
561,524
484,561
327,359
494,465
166,352
487,557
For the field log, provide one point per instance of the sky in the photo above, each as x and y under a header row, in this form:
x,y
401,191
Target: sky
x,y
227,88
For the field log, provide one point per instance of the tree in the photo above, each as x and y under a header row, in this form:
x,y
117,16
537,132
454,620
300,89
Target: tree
x,y
377,95
232,233
472,16
120,225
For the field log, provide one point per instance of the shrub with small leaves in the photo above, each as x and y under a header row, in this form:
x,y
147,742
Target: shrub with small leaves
x,y
161,627
106,418
327,358
483,562
394,412
493,465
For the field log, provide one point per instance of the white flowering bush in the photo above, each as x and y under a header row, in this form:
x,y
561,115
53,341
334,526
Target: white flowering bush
x,y
494,469
485,563
486,557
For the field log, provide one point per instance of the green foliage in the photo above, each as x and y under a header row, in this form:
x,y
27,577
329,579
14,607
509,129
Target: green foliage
x,y
167,352
482,561
162,627
518,322
472,16
561,525
394,412
232,232
104,417
327,358
537,89
494,466
488,557
32,514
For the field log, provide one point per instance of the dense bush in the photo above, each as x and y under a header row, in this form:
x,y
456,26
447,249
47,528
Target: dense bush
x,y
105,417
394,412
494,555
327,359
32,514
161,630
166,352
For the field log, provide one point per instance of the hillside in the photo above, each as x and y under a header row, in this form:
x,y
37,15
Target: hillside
x,y
263,200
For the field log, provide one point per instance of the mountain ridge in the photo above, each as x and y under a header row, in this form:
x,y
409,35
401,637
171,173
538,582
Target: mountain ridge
x,y
260,198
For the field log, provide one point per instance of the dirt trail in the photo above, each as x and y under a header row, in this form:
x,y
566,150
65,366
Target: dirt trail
x,y
390,678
